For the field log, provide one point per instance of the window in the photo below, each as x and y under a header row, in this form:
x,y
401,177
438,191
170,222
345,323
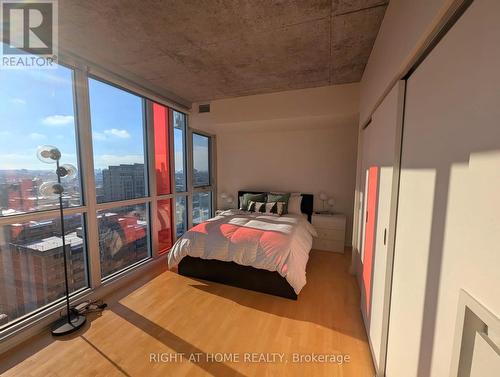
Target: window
x,y
181,224
201,160
164,225
37,107
108,223
202,207
180,151
31,264
202,180
117,119
118,135
123,237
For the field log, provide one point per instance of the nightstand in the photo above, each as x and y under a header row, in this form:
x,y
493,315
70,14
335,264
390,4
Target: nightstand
x,y
331,232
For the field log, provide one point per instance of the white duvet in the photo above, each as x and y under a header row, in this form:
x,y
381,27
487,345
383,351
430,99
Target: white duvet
x,y
262,241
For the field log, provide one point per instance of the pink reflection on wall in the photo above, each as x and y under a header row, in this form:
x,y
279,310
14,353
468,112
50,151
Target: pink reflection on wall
x,y
371,212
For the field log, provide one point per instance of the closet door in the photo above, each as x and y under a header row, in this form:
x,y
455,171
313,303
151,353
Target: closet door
x,y
381,148
448,223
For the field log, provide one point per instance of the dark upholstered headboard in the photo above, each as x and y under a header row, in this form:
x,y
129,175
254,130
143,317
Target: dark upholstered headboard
x,y
307,205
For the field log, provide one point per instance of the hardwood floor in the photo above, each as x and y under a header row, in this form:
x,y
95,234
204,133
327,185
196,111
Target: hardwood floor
x,y
172,314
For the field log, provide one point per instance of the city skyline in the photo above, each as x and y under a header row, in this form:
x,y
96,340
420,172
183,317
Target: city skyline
x,y
41,111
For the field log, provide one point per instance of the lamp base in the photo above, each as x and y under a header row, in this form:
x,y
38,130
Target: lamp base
x,y
63,327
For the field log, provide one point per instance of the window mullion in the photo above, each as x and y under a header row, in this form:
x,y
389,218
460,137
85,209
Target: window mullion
x,y
213,173
189,173
171,158
153,189
40,215
84,130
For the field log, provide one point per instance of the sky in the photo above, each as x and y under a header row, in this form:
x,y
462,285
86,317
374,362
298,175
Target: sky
x,y
36,108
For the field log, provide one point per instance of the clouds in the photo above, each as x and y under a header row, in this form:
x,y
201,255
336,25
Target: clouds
x,y
105,160
20,161
26,159
122,134
98,136
111,133
58,120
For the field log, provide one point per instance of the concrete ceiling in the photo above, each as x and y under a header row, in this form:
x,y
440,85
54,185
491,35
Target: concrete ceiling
x,y
209,49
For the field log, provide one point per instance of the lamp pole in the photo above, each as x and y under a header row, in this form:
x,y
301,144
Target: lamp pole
x,y
49,154
63,236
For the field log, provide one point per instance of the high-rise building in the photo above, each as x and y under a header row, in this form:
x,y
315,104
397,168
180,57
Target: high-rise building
x,y
121,182
20,195
31,265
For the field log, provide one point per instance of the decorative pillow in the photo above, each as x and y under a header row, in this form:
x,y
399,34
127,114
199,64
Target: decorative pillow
x,y
275,208
260,207
270,207
242,205
280,208
274,197
294,204
251,206
256,206
253,197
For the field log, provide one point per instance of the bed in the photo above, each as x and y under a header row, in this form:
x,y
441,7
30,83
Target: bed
x,y
255,251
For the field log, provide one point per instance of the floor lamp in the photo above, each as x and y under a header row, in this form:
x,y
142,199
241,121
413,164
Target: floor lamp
x,y
72,321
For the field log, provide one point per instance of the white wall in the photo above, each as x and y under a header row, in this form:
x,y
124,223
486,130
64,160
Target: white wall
x,y
405,26
301,140
448,228
380,143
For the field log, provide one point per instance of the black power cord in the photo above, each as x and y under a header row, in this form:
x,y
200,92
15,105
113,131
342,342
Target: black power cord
x,y
87,307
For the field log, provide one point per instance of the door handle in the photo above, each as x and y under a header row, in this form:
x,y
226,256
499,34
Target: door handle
x,y
385,236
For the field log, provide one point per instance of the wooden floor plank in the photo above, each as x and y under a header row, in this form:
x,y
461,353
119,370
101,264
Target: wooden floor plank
x,y
173,314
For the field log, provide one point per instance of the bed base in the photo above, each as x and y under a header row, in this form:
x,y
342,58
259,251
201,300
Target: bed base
x,y
236,275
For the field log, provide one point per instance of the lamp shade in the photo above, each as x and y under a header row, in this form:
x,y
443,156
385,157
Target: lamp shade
x,y
229,199
67,171
50,189
331,202
323,196
48,154
223,195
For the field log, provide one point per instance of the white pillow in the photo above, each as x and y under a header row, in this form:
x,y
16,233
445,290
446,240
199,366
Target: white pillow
x,y
275,208
294,204
256,206
269,207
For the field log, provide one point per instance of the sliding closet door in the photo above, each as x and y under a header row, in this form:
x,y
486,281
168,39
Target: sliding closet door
x,y
381,146
448,223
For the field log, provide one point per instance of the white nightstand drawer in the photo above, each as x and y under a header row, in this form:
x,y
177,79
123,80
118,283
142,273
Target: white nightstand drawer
x,y
328,245
331,234
329,222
